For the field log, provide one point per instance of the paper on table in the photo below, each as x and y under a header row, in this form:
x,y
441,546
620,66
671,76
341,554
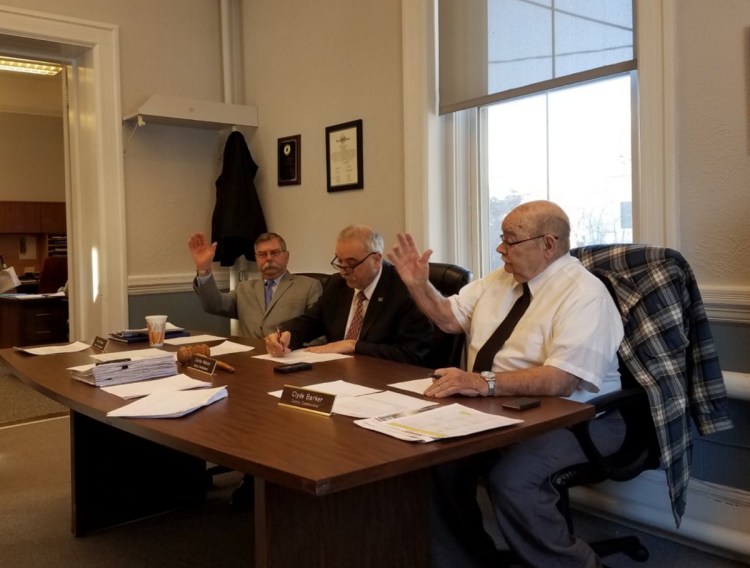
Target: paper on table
x,y
378,404
417,385
339,388
144,388
446,421
37,296
169,404
228,347
133,354
300,355
192,339
52,349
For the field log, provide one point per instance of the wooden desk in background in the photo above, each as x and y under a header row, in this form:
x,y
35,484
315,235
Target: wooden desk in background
x,y
33,321
327,492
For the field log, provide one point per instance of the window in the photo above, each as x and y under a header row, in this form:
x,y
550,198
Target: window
x,y
552,86
571,145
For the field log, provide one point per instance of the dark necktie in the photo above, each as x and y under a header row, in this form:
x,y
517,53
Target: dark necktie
x,y
269,292
486,354
356,326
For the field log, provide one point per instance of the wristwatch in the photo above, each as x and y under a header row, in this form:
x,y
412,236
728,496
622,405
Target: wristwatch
x,y
489,378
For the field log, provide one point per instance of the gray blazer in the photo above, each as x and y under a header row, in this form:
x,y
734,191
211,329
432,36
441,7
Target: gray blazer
x,y
293,296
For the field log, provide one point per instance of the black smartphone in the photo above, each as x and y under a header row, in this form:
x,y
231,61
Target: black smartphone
x,y
292,367
521,403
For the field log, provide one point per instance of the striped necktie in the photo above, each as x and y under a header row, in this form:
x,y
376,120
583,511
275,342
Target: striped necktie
x,y
356,325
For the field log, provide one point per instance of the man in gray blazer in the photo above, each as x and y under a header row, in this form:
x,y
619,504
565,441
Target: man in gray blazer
x,y
259,304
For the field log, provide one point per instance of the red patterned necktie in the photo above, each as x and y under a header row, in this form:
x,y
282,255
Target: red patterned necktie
x,y
356,325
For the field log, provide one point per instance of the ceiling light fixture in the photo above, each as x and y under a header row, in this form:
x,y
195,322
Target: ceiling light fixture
x,y
29,66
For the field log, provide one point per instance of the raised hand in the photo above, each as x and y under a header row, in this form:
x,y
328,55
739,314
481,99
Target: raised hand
x,y
202,251
412,267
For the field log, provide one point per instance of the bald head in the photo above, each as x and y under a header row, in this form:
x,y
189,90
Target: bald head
x,y
544,218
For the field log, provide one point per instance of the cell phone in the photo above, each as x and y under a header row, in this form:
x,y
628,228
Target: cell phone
x,y
521,403
292,367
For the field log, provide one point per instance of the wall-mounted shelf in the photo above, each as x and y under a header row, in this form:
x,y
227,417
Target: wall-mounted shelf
x,y
181,111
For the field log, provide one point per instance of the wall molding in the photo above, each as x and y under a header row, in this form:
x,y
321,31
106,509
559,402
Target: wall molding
x,y
717,518
727,303
142,285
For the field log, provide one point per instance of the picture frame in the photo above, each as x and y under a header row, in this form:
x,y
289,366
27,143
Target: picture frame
x,y
344,163
288,156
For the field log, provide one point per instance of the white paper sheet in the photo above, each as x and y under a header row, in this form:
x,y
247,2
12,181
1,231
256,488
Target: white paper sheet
x,y
145,388
228,347
378,404
339,388
300,355
132,354
169,404
52,349
190,339
417,385
432,424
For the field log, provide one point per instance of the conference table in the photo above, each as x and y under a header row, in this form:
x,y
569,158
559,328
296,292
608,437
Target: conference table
x,y
327,492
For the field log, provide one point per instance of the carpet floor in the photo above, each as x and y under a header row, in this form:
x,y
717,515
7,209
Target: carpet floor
x,y
20,403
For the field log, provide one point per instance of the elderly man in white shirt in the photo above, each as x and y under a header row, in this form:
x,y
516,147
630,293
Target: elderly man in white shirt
x,y
563,342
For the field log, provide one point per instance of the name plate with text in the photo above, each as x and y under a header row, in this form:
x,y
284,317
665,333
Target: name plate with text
x,y
307,399
203,364
100,344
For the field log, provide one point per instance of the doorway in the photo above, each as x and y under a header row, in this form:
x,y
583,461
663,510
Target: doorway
x,y
93,155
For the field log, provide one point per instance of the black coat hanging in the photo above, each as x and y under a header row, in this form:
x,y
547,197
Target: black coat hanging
x,y
238,217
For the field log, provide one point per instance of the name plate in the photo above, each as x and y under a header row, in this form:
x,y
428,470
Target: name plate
x,y
203,364
307,399
99,343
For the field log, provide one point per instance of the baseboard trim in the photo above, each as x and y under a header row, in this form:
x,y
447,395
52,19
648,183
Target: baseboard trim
x,y
170,283
717,518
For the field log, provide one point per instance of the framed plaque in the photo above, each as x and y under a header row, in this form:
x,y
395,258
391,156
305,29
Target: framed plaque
x,y
344,156
288,156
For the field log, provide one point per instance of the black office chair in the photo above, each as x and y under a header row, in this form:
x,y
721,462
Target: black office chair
x,y
640,450
447,349
317,275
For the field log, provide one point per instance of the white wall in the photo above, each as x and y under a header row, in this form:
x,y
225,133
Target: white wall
x,y
713,153
310,65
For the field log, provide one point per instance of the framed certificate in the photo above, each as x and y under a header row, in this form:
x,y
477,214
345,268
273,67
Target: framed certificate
x,y
344,156
288,157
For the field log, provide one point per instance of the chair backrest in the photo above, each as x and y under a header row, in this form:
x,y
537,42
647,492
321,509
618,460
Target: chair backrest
x,y
317,275
447,349
54,274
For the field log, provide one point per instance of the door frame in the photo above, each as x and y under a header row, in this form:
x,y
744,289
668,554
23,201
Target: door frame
x,y
95,188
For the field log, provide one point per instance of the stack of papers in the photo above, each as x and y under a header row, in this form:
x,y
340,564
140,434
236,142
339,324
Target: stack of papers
x,y
120,371
428,425
169,403
145,388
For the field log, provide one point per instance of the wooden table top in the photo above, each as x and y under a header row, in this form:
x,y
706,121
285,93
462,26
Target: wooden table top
x,y
249,432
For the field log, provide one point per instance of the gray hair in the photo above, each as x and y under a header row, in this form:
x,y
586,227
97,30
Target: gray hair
x,y
371,239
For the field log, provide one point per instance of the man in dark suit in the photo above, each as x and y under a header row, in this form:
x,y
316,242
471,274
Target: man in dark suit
x,y
365,309
259,304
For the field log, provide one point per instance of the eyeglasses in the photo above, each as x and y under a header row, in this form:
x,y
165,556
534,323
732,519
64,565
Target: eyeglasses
x,y
269,253
514,243
351,266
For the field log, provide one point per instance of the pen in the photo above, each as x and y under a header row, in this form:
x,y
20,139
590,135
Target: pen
x,y
278,334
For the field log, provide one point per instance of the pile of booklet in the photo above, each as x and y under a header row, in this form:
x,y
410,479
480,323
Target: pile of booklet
x,y
137,335
121,371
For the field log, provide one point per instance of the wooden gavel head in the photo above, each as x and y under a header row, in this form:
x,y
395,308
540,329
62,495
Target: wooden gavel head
x,y
186,352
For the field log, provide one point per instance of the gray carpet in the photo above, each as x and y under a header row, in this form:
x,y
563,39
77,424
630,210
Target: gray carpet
x,y
19,403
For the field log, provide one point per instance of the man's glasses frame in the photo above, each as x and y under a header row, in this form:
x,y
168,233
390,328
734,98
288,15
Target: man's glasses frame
x,y
514,243
350,267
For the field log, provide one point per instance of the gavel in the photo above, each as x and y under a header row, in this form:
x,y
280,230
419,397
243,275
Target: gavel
x,y
186,353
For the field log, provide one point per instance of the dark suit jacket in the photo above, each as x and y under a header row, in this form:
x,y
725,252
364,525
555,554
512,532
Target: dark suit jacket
x,y
393,327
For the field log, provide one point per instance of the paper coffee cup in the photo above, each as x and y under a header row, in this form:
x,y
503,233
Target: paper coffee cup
x,y
157,327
